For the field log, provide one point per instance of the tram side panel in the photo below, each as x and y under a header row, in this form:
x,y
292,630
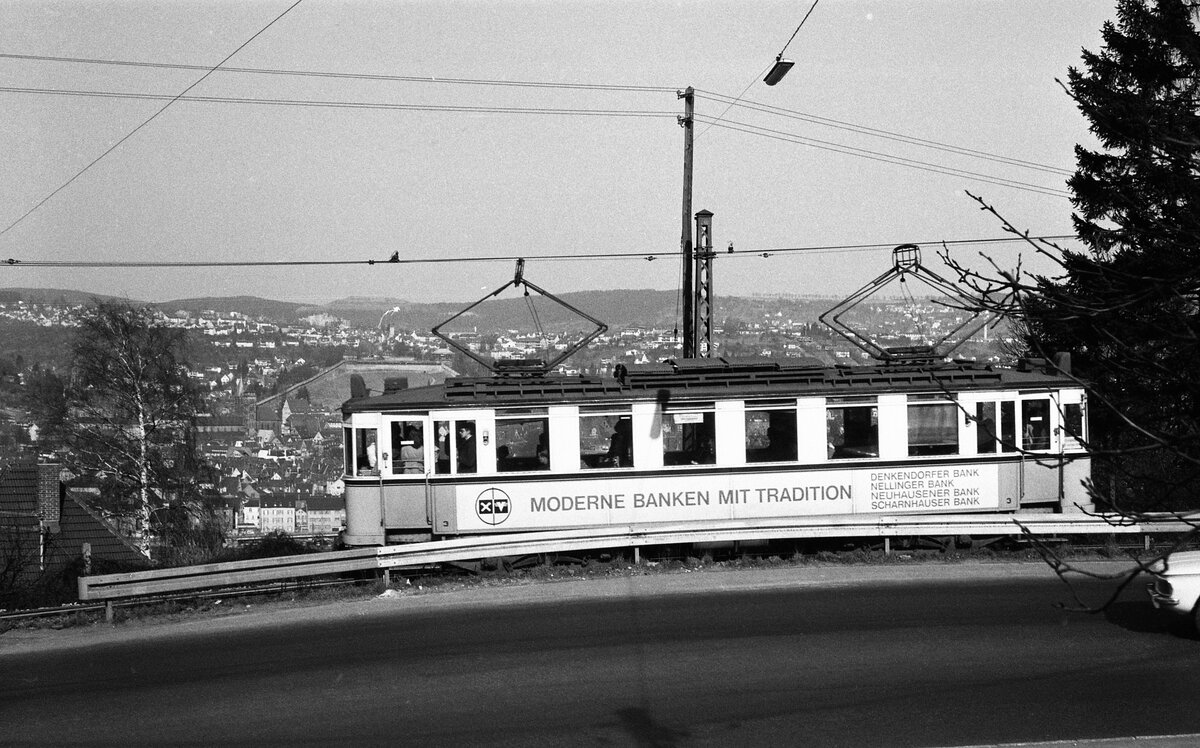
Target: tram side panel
x,y
383,512
388,512
716,496
1075,475
1049,483
364,516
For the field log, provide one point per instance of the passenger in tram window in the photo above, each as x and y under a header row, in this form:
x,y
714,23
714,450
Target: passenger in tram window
x,y
543,451
620,446
412,455
441,457
466,447
368,456
836,437
1036,436
985,435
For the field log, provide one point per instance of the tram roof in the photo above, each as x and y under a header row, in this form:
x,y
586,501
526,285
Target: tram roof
x,y
716,378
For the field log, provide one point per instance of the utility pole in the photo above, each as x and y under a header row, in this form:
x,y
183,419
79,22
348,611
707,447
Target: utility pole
x,y
685,242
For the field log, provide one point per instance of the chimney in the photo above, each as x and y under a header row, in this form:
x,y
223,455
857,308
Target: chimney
x,y
49,495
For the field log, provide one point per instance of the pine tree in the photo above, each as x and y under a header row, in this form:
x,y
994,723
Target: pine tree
x,y
1128,307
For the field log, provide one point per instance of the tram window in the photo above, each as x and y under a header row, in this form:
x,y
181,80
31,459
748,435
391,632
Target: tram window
x,y
932,429
464,447
689,438
771,435
522,444
1008,426
408,447
986,436
366,452
852,431
605,440
441,448
1073,424
1035,424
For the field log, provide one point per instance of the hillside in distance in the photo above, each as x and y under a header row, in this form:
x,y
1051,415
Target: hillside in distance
x,y
53,296
251,306
510,310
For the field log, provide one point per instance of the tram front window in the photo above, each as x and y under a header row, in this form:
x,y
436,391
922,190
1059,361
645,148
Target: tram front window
x,y
364,454
689,438
522,444
852,431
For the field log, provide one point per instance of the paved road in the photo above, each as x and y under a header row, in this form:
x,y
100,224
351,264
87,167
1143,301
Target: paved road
x,y
912,656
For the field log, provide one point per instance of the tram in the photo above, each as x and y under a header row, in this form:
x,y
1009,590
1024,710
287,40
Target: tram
x,y
712,441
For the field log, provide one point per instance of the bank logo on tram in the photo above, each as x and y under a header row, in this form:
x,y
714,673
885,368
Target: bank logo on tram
x,y
492,506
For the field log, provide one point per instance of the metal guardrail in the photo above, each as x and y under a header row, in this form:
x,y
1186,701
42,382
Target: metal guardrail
x,y
60,610
251,571
109,587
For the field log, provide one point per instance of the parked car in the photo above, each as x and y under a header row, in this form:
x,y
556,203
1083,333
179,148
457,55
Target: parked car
x,y
1176,587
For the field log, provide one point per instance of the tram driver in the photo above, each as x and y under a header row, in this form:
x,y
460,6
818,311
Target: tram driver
x,y
466,447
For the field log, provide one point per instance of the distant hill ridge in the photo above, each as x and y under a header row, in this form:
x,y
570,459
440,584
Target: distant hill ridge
x,y
617,309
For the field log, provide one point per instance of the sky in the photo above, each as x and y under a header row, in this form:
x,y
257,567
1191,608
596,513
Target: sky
x,y
467,130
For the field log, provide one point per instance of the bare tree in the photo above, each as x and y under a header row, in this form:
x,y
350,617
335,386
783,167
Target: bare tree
x,y
1127,308
19,554
133,413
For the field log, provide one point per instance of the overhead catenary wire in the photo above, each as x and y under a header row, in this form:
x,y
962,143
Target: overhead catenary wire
x,y
352,76
713,96
467,108
731,103
587,256
880,133
560,111
887,158
146,121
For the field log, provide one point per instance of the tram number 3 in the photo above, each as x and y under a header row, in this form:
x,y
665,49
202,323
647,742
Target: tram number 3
x,y
492,506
